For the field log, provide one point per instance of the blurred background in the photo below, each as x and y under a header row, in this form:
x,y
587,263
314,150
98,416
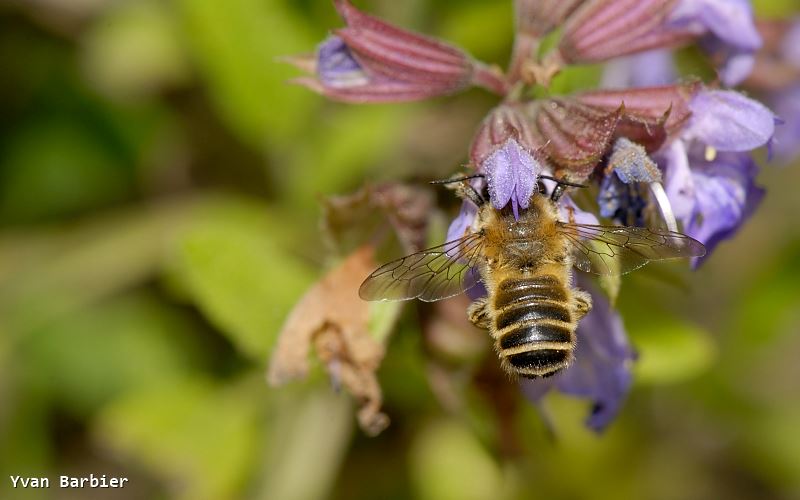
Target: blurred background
x,y
159,217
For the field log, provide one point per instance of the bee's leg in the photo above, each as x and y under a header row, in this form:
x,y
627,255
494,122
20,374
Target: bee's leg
x,y
478,313
581,303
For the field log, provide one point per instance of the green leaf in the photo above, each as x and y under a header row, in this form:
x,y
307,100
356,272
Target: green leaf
x,y
75,172
309,439
95,355
383,317
447,462
576,78
201,439
334,155
774,445
135,49
775,8
48,273
671,352
233,266
484,29
611,284
236,45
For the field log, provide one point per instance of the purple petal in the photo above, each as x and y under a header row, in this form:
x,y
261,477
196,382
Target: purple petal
x,y
534,389
461,226
568,211
729,121
511,173
729,20
736,68
787,136
336,66
648,69
463,221
725,196
602,367
678,181
601,371
790,46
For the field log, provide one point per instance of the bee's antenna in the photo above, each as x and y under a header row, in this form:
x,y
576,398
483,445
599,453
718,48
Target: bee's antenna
x,y
561,186
458,179
465,190
563,183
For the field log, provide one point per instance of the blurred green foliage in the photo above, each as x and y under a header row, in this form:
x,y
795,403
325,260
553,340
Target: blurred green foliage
x,y
159,183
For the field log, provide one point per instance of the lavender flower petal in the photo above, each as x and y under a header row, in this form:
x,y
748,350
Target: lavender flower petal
x,y
463,221
725,196
678,183
568,211
790,45
787,136
602,367
729,121
736,67
647,69
511,173
729,20
601,371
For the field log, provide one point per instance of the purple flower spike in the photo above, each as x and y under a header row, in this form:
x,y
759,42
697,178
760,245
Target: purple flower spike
x,y
601,371
729,121
725,196
511,173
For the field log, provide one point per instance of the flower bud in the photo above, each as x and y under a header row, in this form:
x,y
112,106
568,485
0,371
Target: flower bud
x,y
603,29
370,60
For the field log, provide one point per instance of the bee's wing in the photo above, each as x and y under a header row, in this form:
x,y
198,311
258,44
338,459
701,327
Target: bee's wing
x,y
433,274
609,250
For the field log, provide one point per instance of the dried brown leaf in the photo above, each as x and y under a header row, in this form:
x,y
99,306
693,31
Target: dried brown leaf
x,y
333,319
351,219
666,106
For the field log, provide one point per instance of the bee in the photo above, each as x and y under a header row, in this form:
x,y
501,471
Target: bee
x,y
531,308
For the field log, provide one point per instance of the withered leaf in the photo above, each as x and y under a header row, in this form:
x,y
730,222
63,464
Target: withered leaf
x,y
650,107
333,319
351,219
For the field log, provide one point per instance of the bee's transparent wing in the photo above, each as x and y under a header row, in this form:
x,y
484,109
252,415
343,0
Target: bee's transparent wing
x,y
433,274
609,250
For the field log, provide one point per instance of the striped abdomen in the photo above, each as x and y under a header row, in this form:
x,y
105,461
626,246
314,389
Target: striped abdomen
x,y
533,325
